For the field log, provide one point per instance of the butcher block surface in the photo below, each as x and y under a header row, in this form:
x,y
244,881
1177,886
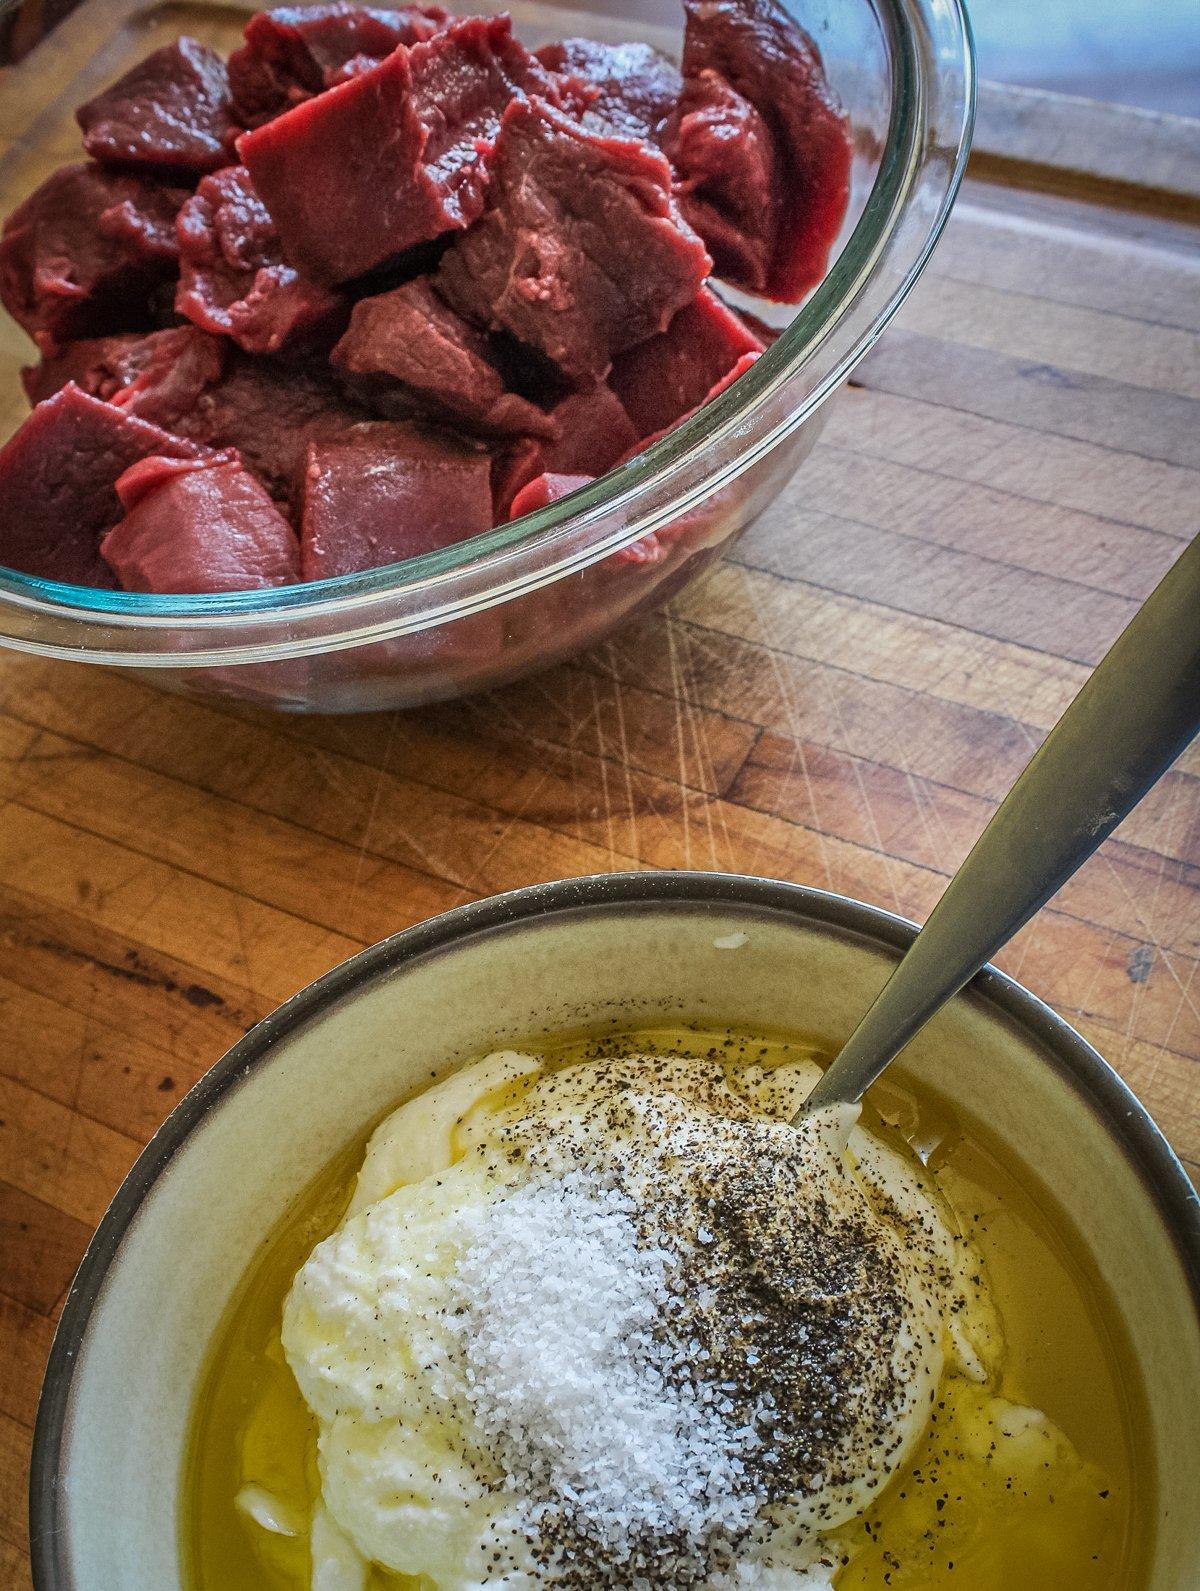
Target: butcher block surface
x,y
842,702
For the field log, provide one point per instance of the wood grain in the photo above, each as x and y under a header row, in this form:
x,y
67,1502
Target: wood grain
x,y
841,702
1142,158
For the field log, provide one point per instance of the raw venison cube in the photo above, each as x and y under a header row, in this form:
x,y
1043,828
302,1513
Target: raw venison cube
x,y
667,376
410,354
591,432
58,480
755,49
233,277
85,252
173,109
729,167
581,253
294,52
708,524
395,156
547,489
269,410
629,89
544,490
158,376
196,525
386,491
734,373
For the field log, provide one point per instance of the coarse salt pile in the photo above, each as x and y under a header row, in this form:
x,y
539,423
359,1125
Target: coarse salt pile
x,y
584,1383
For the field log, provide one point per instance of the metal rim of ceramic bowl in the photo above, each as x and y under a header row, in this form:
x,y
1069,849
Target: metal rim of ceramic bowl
x,y
1127,1122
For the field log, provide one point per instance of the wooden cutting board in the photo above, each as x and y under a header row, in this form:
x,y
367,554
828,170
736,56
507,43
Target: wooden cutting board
x,y
842,702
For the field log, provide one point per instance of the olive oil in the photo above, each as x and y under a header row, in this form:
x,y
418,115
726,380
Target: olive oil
x,y
953,1519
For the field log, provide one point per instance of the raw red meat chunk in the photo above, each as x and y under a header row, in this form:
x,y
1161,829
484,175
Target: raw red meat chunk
x,y
269,410
395,156
85,252
296,52
547,489
727,380
411,354
195,525
581,253
706,525
58,477
544,490
233,277
386,491
728,155
774,69
173,109
631,88
157,377
591,432
667,376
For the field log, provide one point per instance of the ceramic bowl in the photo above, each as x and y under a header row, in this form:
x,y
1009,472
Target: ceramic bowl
x,y
245,1142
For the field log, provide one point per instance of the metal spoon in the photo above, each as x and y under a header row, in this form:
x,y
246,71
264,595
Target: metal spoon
x,y
1136,713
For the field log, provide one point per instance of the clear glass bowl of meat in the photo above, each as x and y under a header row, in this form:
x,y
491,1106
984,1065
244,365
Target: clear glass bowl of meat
x,y
369,445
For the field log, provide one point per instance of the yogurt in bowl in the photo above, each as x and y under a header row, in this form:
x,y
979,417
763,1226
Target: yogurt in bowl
x,y
780,1350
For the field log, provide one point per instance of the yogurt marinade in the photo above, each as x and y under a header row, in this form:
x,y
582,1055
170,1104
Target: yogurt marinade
x,y
623,1324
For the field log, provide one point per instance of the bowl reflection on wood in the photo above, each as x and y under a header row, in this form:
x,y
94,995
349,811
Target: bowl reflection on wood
x,y
632,950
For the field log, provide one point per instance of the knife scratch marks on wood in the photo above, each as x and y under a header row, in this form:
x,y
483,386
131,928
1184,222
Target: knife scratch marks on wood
x,y
686,729
1185,1001
787,710
618,693
1153,954
901,760
676,684
382,774
602,769
707,778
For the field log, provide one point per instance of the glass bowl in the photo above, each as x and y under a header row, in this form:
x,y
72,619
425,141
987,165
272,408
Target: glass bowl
x,y
555,582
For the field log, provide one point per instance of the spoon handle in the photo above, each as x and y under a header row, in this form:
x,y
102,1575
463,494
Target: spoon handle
x,y
1136,713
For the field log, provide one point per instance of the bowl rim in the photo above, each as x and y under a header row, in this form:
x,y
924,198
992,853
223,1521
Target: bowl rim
x,y
930,53
1127,1123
